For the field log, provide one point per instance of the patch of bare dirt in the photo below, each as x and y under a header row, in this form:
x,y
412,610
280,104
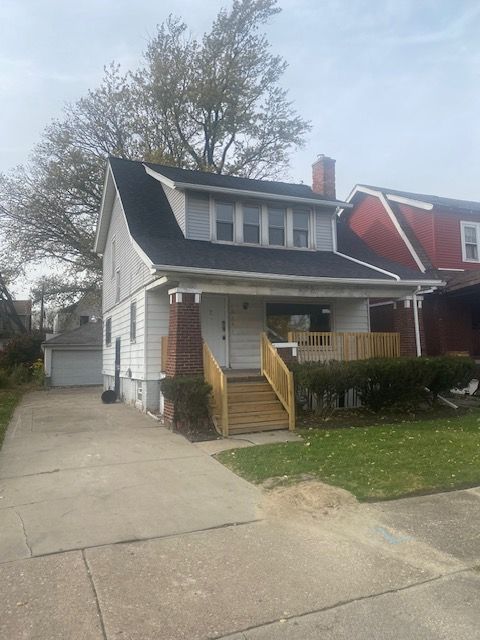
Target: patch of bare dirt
x,y
311,498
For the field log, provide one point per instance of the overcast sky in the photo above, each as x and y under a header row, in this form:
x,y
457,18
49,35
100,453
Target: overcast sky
x,y
392,87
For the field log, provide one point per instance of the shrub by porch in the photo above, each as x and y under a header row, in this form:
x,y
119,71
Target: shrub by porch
x,y
404,383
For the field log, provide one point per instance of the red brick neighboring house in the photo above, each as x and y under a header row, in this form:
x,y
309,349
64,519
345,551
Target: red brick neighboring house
x,y
435,235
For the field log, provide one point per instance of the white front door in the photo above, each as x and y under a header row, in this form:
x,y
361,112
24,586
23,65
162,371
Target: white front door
x,y
214,325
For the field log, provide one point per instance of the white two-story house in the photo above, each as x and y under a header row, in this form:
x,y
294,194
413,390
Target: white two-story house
x,y
195,260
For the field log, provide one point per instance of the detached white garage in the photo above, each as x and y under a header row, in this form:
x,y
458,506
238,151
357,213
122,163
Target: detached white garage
x,y
74,358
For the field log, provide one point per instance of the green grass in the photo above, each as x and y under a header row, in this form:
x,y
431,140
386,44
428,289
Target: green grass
x,y
374,463
8,401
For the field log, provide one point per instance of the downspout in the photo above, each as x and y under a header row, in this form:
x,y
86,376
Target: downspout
x,y
416,323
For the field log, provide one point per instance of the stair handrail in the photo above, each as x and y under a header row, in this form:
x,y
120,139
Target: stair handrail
x,y
217,379
279,376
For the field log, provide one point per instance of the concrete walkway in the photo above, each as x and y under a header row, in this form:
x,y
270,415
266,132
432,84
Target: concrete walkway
x,y
113,527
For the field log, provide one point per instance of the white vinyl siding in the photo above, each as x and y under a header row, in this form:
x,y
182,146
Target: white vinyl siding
x,y
198,216
157,312
246,326
176,199
133,271
323,231
351,315
131,353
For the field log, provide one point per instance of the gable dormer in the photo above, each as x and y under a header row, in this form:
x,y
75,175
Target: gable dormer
x,y
241,211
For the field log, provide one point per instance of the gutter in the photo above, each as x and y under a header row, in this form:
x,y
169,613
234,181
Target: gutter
x,y
292,278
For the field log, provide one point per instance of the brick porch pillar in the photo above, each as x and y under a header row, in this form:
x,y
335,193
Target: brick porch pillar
x,y
185,347
404,324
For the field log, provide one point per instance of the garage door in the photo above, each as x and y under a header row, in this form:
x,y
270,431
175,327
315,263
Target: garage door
x,y
71,368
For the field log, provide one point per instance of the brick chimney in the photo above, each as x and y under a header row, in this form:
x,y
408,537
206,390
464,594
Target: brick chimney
x,y
323,176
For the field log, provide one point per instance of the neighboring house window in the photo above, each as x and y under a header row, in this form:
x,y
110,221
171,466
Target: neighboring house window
x,y
133,321
276,226
300,228
225,218
108,332
114,257
84,320
139,391
251,224
117,286
470,238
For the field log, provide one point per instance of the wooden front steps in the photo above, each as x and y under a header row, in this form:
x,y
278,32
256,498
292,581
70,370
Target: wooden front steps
x,y
252,405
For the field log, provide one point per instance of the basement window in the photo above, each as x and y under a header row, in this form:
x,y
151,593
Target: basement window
x,y
470,237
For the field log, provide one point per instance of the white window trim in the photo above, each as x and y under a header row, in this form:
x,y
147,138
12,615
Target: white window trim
x,y
238,238
476,225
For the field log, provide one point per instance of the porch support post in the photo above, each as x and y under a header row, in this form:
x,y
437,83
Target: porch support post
x,y
185,347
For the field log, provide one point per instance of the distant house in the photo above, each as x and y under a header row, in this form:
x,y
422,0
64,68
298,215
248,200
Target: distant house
x,y
88,308
216,275
8,328
437,236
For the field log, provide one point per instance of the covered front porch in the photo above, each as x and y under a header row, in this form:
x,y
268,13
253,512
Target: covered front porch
x,y
242,336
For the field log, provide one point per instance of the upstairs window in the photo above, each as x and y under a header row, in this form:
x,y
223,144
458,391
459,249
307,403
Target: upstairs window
x,y
470,238
276,226
133,321
108,332
225,217
301,219
251,224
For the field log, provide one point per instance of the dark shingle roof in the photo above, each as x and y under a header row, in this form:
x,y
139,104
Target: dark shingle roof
x,y
88,335
292,190
450,203
155,229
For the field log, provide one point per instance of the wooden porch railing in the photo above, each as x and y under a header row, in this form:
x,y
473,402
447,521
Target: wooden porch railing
x,y
315,346
279,376
218,380
164,353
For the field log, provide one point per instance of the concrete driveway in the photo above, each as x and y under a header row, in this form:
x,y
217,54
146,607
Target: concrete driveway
x,y
112,527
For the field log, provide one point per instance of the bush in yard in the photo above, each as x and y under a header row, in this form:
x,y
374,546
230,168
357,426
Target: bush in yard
x,y
326,381
4,379
190,396
21,350
446,372
383,383
392,382
20,374
38,373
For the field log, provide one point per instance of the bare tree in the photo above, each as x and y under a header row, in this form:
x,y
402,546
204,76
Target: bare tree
x,y
213,104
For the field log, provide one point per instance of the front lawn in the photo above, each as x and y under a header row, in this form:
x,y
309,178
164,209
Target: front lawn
x,y
8,401
376,462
